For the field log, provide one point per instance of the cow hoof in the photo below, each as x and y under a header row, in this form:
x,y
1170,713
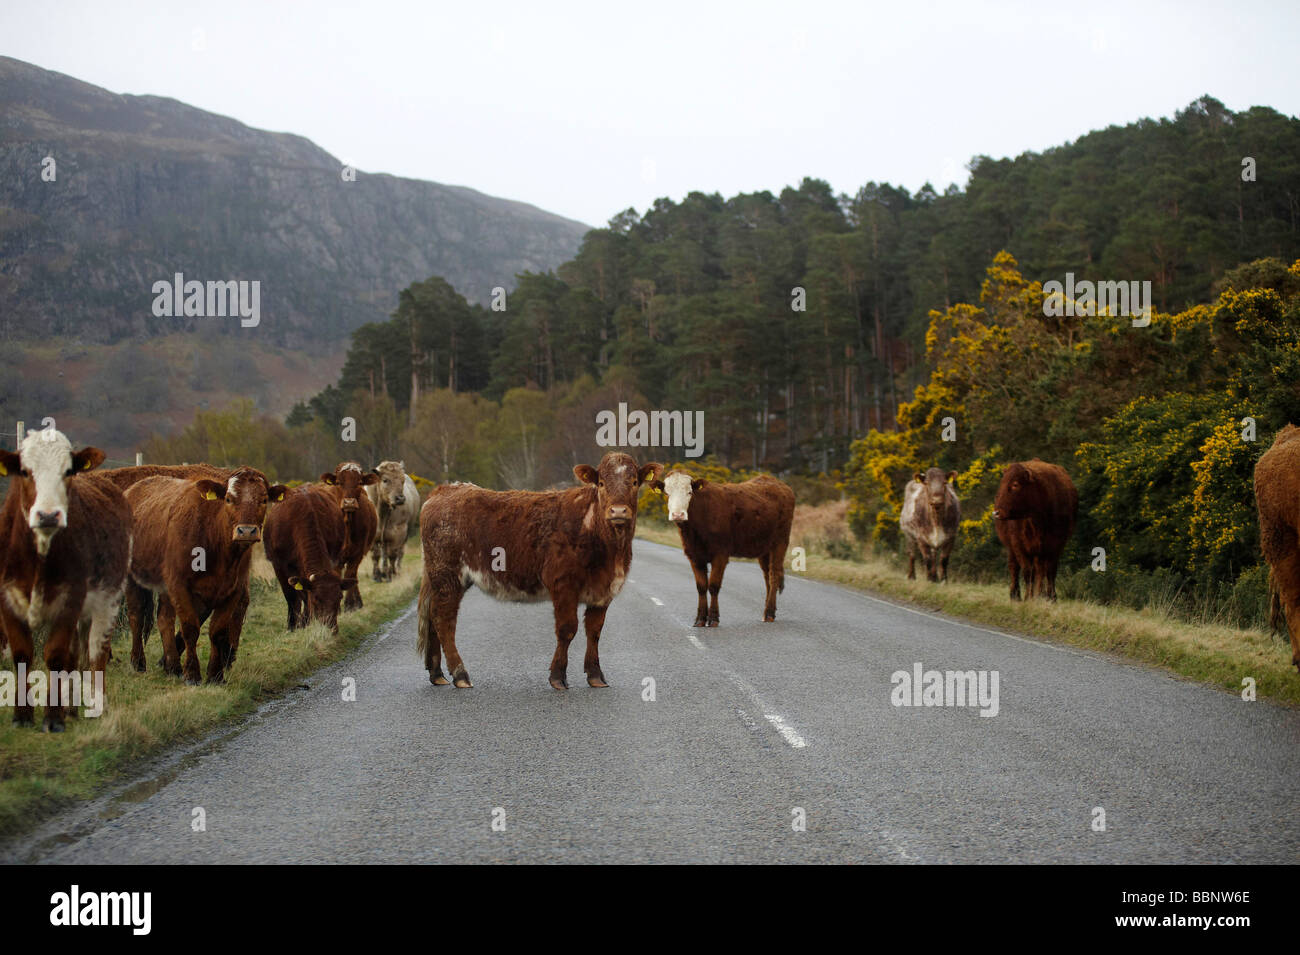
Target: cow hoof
x,y
597,680
559,683
192,680
138,664
700,622
713,623
437,679
769,618
51,726
21,719
462,683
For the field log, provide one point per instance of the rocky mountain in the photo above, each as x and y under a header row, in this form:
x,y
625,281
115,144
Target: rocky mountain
x,y
103,195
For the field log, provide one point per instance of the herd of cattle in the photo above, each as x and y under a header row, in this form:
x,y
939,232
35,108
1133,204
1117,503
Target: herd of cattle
x,y
74,544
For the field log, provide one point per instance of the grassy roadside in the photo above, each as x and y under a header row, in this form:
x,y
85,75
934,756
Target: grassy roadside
x,y
146,712
1218,655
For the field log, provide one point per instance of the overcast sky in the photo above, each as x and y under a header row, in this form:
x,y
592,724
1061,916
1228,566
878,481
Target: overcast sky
x,y
587,109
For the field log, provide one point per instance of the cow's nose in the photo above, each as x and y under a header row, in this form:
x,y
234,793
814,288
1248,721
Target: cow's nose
x,y
349,504
620,513
247,533
677,516
399,501
49,518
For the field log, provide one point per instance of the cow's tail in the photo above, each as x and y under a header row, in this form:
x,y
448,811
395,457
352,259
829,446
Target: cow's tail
x,y
1276,615
427,639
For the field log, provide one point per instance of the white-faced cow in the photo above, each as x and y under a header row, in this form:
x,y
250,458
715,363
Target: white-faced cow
x,y
720,521
573,546
65,545
931,514
397,504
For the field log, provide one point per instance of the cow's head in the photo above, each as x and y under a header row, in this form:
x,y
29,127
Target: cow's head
x,y
678,486
43,466
617,480
324,592
349,479
243,500
1017,493
936,487
391,477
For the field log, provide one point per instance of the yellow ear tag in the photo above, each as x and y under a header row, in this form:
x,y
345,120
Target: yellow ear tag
x,y
4,471
297,586
210,495
86,466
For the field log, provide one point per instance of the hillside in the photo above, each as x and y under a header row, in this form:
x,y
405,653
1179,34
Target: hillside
x,y
147,187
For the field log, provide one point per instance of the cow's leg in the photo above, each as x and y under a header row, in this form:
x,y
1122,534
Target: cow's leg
x,y
715,584
701,571
776,578
139,614
946,552
1286,584
376,561
60,657
294,601
21,647
566,625
593,621
769,597
172,642
98,643
223,635
1013,568
352,596
911,560
187,615
447,594
1050,564
428,634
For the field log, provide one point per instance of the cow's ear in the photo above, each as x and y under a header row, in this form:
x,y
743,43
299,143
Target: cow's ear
x,y
348,583
586,473
370,477
329,478
211,490
297,583
657,484
698,483
650,472
10,462
87,459
276,492
952,478
918,478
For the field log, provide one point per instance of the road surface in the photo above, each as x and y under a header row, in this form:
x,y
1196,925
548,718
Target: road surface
x,y
753,728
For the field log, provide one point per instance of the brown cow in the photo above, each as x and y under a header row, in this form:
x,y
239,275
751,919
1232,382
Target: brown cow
x,y
931,515
397,503
1035,510
193,548
347,485
720,521
574,546
1277,497
65,544
304,538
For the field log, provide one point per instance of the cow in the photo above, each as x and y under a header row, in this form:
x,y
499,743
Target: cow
x,y
304,537
193,550
1034,513
397,504
125,477
1277,491
719,521
931,514
64,553
346,484
573,546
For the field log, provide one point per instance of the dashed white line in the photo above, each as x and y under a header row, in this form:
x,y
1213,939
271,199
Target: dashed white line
x,y
657,601
695,641
787,731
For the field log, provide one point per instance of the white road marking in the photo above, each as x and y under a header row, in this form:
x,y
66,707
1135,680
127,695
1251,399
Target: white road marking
x,y
657,601
695,641
779,722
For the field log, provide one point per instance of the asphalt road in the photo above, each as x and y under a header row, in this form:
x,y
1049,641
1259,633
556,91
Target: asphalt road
x,y
750,722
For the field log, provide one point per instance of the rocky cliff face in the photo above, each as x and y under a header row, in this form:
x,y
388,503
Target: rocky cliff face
x,y
145,187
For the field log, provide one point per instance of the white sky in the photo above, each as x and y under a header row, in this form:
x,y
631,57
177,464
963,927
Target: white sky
x,y
586,109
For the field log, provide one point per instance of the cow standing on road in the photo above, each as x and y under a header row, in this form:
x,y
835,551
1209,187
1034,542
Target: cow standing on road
x,y
304,540
397,504
194,549
1035,510
931,514
720,521
65,546
573,546
1277,497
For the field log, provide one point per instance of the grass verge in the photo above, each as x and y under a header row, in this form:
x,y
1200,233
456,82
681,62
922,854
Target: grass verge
x,y
146,712
1218,655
